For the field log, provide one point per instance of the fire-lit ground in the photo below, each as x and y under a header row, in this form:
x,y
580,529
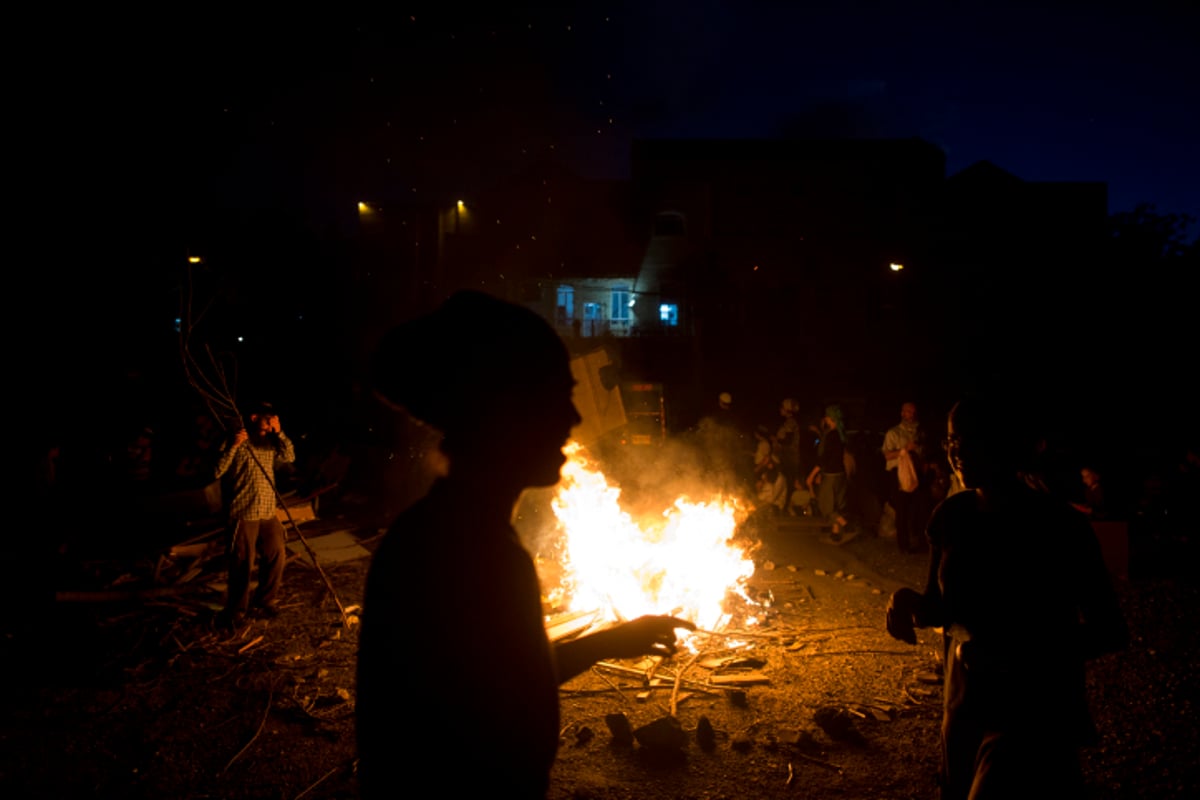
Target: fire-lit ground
x,y
809,693
834,708
806,698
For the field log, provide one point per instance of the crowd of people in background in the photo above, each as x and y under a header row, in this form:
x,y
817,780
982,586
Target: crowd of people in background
x,y
891,480
769,460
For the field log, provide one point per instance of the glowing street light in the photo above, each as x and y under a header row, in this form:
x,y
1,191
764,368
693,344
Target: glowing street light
x,y
193,259
894,267
460,213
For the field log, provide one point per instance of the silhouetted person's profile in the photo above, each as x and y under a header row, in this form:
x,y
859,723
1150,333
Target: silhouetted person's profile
x,y
453,649
1019,587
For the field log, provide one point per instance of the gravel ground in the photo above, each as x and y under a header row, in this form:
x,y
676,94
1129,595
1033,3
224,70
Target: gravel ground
x,y
142,700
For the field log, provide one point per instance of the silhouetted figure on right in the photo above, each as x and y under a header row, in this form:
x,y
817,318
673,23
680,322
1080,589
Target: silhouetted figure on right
x,y
1019,587
1093,504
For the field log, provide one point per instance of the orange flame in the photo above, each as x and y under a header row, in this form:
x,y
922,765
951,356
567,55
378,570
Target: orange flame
x,y
683,562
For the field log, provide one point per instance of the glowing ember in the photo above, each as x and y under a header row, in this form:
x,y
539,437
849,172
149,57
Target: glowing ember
x,y
683,562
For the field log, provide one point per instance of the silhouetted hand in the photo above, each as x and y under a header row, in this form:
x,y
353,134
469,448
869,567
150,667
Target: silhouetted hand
x,y
901,615
649,635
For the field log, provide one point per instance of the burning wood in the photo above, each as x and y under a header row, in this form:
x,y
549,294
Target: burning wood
x,y
684,561
250,644
564,626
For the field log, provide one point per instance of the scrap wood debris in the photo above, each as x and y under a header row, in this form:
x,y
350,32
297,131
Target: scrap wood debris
x,y
820,763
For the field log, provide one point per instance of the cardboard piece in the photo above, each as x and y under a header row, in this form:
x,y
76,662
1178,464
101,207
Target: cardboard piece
x,y
301,511
330,548
602,408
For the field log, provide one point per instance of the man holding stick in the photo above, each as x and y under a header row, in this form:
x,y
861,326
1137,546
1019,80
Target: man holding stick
x,y
250,460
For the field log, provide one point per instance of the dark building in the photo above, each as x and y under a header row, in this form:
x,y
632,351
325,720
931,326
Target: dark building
x,y
1021,266
783,250
819,268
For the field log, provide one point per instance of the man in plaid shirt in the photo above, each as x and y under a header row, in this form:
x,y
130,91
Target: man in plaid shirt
x,y
250,461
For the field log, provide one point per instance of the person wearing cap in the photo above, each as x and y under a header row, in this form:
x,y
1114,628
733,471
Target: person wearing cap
x,y
727,445
828,475
249,460
728,417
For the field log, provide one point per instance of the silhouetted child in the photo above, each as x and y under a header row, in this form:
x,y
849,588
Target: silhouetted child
x,y
453,642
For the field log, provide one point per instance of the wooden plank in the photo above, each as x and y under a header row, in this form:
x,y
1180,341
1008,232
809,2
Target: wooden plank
x,y
569,624
746,678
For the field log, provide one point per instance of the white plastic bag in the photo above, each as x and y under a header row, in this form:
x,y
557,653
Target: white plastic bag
x,y
906,471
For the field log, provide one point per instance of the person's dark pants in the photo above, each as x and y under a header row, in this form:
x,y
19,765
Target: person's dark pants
x,y
264,538
998,765
910,524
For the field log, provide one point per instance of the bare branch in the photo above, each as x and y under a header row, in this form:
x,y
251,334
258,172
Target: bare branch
x,y
261,725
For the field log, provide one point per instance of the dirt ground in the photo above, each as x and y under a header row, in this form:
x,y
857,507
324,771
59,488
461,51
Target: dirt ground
x,y
139,697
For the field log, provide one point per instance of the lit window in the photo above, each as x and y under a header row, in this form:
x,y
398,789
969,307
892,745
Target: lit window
x,y
566,304
620,303
668,314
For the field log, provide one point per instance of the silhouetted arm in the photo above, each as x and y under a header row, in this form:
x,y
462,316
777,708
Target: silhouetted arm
x,y
908,609
1102,628
644,636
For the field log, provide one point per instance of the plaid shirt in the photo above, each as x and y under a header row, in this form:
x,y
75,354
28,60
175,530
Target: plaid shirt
x,y
253,494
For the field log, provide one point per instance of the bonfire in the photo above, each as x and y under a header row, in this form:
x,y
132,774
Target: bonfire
x,y
686,560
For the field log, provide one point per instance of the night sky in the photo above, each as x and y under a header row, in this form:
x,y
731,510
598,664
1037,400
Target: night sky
x,y
243,113
165,134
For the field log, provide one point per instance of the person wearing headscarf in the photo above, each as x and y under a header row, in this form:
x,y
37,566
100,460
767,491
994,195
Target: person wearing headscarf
x,y
828,476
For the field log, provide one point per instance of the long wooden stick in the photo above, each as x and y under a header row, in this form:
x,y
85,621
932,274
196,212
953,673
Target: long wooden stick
x,y
320,780
818,762
608,666
216,393
308,548
261,725
679,680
